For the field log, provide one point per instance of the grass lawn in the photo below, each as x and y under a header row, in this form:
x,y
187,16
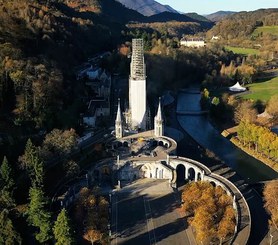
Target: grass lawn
x,y
262,90
243,51
266,29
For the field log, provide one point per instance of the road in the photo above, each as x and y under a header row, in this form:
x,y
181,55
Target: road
x,y
147,212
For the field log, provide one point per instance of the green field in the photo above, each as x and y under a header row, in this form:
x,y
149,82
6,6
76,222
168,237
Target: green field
x,y
262,90
244,51
266,29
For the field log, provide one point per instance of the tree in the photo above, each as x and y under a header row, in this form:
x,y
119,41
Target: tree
x,y
8,234
92,235
62,229
71,168
226,225
38,216
245,112
31,161
271,201
212,210
6,174
6,185
272,106
60,142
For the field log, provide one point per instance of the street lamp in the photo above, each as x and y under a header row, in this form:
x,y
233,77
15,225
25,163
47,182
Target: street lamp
x,y
271,237
110,195
109,230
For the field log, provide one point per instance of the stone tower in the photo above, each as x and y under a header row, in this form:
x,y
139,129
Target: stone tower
x,y
137,86
158,122
118,123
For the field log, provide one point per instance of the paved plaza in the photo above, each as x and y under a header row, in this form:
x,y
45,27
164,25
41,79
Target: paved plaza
x,y
147,212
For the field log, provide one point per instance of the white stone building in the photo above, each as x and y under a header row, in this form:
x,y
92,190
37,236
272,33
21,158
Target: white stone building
x,y
193,42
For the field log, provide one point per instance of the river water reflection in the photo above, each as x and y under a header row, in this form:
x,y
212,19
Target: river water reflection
x,y
205,134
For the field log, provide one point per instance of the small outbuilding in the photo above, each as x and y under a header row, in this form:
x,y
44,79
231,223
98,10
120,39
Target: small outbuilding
x,y
237,88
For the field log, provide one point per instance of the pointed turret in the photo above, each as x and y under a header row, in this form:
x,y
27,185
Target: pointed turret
x,y
159,112
118,122
119,115
158,122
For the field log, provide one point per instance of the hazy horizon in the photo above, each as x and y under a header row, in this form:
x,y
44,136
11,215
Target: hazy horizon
x,y
211,6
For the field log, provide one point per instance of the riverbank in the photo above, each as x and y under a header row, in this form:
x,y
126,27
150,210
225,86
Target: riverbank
x,y
230,132
255,154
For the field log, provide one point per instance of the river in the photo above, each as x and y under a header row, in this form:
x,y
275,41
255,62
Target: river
x,y
200,129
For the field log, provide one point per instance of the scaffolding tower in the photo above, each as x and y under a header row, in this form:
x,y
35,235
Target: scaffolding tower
x,y
137,66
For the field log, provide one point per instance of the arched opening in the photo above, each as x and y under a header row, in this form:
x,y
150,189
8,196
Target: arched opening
x,y
161,174
213,183
160,143
166,145
199,176
191,174
180,175
156,173
125,144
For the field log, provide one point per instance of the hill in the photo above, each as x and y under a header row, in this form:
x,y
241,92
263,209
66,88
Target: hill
x,y
197,17
167,17
40,44
246,31
243,24
217,16
147,7
175,25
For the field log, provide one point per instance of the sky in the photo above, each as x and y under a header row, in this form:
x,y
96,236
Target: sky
x,y
211,6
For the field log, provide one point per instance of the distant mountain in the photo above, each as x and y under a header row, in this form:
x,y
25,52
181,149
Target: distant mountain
x,y
197,17
147,7
167,16
217,16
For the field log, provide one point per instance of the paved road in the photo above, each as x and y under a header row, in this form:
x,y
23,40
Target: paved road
x,y
146,212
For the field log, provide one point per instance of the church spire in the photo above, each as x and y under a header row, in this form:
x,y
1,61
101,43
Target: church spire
x,y
158,122
118,122
159,112
119,116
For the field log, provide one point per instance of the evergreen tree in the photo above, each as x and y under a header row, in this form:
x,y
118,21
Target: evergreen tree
x,y
62,230
6,185
38,216
8,234
32,162
6,174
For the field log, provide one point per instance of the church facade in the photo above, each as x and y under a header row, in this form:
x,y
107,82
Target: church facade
x,y
137,117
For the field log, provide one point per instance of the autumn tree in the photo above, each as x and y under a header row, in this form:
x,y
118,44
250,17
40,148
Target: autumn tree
x,y
92,235
60,142
272,106
226,227
271,201
245,111
247,72
211,210
62,229
38,216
